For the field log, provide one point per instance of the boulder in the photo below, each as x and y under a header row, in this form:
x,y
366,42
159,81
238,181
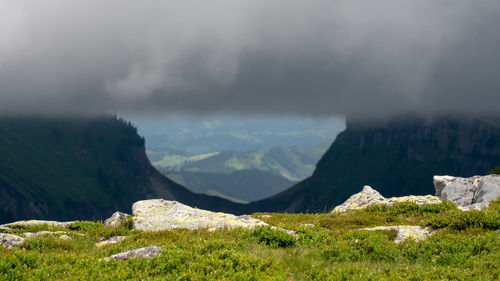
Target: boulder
x,y
468,193
10,240
112,240
24,224
159,214
460,191
488,189
31,234
368,196
64,237
116,219
405,232
420,200
146,252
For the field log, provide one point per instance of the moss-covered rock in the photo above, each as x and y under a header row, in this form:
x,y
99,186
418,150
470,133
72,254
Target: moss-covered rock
x,y
405,232
368,196
159,214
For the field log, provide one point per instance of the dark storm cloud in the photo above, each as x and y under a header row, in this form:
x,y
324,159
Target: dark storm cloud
x,y
363,57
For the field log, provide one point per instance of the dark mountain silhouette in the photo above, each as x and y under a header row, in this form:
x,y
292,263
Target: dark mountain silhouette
x,y
66,169
397,157
80,168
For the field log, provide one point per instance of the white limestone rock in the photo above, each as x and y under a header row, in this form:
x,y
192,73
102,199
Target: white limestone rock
x,y
368,196
146,252
9,241
460,191
488,189
468,193
420,200
405,232
64,237
116,219
159,214
39,233
109,241
24,224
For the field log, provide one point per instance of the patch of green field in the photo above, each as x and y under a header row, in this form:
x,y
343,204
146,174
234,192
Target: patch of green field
x,y
465,246
171,161
292,163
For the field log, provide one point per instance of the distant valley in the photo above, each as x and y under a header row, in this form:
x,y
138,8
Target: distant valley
x,y
239,176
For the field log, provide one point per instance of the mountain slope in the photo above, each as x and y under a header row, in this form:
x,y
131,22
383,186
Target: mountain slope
x,y
397,157
80,169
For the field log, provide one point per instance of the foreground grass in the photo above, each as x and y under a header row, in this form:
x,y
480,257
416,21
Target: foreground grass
x,y
466,246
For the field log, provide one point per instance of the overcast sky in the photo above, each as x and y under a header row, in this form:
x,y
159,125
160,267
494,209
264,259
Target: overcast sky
x,y
353,57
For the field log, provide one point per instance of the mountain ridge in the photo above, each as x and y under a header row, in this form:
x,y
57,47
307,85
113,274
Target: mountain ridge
x,y
80,168
397,157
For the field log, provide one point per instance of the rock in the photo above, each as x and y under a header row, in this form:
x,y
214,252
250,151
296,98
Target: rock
x,y
23,224
116,219
468,193
460,191
368,196
265,216
10,240
291,232
488,190
31,234
474,206
417,233
64,237
112,240
159,214
420,200
147,252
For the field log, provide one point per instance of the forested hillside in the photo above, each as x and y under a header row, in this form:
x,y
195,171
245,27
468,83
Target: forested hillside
x,y
80,168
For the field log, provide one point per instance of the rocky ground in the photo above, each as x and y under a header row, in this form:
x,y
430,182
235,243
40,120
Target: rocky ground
x,y
454,235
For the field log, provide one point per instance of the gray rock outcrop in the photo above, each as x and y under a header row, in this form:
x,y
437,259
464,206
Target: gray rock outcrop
x,y
112,240
159,214
116,219
24,224
405,232
146,252
39,233
10,240
468,193
368,196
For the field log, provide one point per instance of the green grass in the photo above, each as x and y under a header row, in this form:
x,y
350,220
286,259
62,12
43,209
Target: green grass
x,y
465,246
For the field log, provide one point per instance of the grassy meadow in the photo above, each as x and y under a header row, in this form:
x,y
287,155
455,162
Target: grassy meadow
x,y
465,246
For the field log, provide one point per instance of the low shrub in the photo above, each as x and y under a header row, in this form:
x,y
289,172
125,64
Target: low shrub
x,y
411,209
85,226
274,238
47,242
461,220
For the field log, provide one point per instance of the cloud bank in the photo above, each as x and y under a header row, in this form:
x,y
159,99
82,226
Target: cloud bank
x,y
336,57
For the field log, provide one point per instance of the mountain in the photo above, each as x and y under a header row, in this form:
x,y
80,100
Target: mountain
x,y
397,157
292,163
240,186
80,168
